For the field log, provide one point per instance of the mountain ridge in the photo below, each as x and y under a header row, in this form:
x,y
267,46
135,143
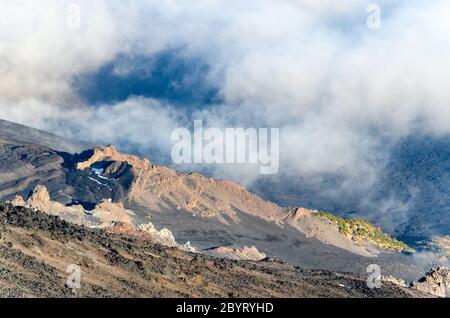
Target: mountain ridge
x,y
206,212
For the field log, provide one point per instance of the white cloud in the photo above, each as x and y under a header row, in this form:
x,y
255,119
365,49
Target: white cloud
x,y
311,68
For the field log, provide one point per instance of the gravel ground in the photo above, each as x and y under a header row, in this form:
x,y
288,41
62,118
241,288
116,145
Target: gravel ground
x,y
35,250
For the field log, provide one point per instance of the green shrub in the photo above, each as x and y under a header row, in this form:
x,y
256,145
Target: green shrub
x,y
360,229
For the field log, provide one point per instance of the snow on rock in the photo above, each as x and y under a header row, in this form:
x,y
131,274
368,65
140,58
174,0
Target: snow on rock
x,y
97,171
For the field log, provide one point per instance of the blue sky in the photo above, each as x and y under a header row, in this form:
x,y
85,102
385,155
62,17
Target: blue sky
x,y
166,76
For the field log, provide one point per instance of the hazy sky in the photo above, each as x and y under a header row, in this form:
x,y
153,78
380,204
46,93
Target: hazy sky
x,y
339,91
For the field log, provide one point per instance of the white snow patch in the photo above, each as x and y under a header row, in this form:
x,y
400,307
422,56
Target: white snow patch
x,y
102,184
97,171
95,180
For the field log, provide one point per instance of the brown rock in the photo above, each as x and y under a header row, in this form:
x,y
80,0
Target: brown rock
x,y
246,253
18,201
160,188
435,282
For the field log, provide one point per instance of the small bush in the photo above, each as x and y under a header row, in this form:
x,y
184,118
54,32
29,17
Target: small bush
x,y
360,229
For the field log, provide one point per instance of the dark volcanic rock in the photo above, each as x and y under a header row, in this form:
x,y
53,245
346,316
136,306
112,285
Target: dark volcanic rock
x,y
115,266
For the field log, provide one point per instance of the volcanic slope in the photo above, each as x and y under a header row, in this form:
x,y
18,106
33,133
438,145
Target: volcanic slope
x,y
36,250
206,212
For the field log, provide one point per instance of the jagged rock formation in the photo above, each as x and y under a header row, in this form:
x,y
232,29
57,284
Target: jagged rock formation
x,y
40,200
109,212
394,280
127,230
106,214
164,236
159,188
435,282
148,232
18,201
110,153
103,215
37,248
246,253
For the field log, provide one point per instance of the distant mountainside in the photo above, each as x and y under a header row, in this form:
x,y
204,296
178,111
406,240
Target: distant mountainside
x,y
19,134
100,186
418,174
410,198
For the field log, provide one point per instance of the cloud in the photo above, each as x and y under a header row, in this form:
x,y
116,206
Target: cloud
x,y
337,89
142,125
40,53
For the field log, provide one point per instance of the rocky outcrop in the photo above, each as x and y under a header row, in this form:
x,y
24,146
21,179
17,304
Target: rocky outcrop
x,y
159,188
114,217
150,233
435,282
112,154
163,236
395,281
126,229
40,200
18,201
246,253
103,215
164,191
109,212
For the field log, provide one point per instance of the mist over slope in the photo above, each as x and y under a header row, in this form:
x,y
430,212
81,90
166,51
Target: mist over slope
x,y
408,197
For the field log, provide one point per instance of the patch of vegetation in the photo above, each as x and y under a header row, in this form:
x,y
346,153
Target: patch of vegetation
x,y
359,229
